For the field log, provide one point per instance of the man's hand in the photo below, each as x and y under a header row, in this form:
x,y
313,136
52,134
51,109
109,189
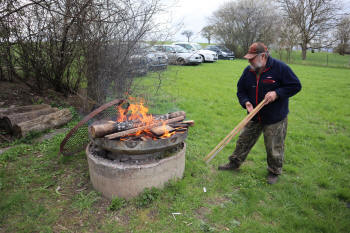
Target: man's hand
x,y
248,106
270,96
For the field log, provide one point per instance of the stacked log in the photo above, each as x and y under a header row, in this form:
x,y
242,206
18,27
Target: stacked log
x,y
24,119
162,123
102,129
43,122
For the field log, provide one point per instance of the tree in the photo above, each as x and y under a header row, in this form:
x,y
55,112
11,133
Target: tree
x,y
207,32
313,18
239,24
343,35
61,43
288,37
188,34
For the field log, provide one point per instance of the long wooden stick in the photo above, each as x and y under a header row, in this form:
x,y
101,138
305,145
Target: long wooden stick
x,y
236,130
134,130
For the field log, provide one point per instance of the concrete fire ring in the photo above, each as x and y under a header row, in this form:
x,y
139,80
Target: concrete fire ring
x,y
114,179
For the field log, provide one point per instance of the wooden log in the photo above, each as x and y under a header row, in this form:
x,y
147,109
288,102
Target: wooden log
x,y
21,109
42,123
160,130
100,130
182,124
10,120
134,130
189,123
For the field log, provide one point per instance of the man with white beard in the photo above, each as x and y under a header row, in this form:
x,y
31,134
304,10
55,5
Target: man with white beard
x,y
270,79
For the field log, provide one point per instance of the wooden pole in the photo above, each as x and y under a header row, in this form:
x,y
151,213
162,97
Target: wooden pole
x,y
236,130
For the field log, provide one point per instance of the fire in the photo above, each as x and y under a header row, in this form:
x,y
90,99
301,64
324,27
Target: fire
x,y
138,112
166,132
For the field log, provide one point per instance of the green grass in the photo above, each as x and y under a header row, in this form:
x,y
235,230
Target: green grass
x,y
316,59
311,196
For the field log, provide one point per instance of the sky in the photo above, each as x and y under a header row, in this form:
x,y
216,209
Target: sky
x,y
192,15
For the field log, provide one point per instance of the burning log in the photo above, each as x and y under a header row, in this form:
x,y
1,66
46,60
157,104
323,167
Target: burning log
x,y
44,122
160,130
100,130
134,130
182,124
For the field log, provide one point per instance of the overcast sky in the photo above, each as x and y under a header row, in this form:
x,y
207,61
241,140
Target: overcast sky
x,y
193,15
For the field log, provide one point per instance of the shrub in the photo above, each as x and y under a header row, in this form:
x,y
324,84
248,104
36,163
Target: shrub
x,y
117,204
147,197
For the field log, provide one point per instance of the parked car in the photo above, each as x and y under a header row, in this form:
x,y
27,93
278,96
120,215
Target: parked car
x,y
178,55
138,65
156,60
222,51
207,55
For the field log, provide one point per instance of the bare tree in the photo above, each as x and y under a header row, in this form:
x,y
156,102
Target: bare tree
x,y
343,35
208,32
61,43
239,24
313,18
288,37
188,34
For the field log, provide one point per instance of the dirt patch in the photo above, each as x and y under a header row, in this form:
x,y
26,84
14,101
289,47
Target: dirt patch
x,y
153,214
19,94
219,200
202,212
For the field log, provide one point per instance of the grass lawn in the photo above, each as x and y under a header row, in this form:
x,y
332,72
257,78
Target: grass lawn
x,y
41,192
316,59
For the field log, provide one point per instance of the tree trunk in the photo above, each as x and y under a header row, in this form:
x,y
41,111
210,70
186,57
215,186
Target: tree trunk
x,y
303,51
42,123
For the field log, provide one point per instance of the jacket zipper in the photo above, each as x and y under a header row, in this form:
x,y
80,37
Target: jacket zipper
x,y
257,93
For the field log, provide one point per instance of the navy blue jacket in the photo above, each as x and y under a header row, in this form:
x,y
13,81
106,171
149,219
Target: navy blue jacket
x,y
253,87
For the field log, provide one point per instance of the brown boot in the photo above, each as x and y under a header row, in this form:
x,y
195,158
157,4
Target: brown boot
x,y
272,178
228,166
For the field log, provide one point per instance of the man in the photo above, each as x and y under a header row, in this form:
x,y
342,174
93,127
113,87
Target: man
x,y
273,80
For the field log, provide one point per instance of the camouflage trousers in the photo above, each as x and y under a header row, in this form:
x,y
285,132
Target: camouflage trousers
x,y
274,135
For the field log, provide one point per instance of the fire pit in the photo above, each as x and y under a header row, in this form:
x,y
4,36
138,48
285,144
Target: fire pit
x,y
130,154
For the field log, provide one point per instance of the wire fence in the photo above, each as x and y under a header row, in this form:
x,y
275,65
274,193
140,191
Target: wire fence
x,y
314,58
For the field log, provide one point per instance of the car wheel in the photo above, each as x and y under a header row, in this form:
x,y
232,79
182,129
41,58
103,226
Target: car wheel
x,y
181,61
203,59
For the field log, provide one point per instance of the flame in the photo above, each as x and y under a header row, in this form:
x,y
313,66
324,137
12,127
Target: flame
x,y
138,112
166,132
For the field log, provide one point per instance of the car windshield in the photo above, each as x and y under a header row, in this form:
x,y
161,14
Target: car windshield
x,y
186,46
223,48
151,50
180,49
197,46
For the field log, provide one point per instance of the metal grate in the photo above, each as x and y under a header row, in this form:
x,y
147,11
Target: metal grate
x,y
77,138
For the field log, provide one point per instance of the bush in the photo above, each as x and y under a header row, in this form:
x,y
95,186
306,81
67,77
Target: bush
x,y
117,203
147,197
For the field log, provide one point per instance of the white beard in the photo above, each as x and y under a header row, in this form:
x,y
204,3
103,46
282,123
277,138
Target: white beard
x,y
258,65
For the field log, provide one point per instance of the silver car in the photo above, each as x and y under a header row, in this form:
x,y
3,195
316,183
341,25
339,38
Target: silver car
x,y
178,55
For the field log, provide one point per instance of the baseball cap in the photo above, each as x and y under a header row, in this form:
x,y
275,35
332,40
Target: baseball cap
x,y
255,49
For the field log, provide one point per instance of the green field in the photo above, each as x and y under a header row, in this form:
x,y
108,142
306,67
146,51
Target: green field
x,y
43,193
